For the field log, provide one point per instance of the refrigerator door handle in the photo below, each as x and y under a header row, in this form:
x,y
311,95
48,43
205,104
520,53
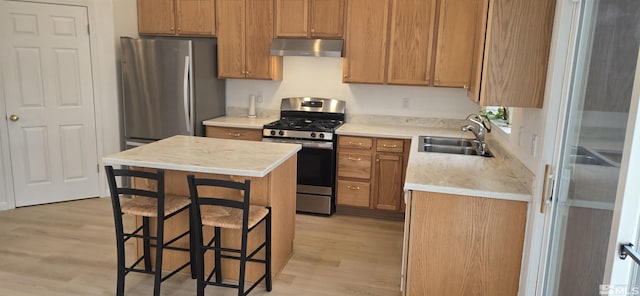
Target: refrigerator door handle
x,y
185,93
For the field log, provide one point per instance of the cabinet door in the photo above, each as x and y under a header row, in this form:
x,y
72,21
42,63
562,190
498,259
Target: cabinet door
x,y
196,17
515,62
411,41
292,18
454,47
366,41
260,63
231,38
388,182
489,232
327,18
156,17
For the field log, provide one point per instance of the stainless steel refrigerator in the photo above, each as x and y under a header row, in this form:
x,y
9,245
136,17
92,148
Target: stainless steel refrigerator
x,y
169,86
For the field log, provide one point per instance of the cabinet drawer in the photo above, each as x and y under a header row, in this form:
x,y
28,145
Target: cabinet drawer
x,y
355,142
353,193
234,133
389,145
354,165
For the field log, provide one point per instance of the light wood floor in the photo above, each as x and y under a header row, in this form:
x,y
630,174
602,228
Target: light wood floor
x,y
69,249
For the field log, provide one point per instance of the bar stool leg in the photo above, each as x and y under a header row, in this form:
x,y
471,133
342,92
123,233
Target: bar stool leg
x,y
243,265
267,256
121,256
218,254
146,244
159,248
192,248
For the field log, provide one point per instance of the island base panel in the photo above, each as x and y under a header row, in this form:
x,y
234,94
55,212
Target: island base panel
x,y
277,189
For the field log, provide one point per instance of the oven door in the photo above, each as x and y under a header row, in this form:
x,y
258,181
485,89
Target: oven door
x,y
316,176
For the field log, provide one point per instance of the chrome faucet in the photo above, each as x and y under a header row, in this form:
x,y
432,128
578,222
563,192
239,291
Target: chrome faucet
x,y
479,129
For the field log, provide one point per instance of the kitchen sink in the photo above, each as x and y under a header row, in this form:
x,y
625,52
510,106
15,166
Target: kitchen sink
x,y
581,155
445,141
449,145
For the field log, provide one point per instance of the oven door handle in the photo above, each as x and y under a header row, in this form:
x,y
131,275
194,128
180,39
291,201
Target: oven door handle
x,y
305,144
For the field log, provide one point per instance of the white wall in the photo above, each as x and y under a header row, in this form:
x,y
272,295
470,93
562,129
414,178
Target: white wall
x,y
322,77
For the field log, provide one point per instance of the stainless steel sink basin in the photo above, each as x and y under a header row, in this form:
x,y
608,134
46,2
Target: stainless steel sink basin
x,y
445,141
581,155
450,145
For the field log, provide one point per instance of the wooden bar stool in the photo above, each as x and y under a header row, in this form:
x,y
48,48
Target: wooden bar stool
x,y
224,213
147,204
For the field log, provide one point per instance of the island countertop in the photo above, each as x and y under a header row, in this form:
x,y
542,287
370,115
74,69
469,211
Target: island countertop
x,y
207,155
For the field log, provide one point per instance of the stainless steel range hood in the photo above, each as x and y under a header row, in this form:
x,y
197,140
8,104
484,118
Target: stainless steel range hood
x,y
307,47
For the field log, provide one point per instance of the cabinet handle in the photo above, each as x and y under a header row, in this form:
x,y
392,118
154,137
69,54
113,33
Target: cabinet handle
x,y
377,159
234,134
313,30
466,86
353,187
172,28
389,146
354,159
352,143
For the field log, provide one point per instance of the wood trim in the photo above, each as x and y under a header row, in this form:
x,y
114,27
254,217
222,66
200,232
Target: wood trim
x,y
479,49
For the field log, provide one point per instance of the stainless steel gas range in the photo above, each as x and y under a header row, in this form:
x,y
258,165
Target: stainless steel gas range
x,y
311,122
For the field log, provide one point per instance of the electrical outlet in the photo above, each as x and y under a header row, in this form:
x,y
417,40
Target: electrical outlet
x,y
406,103
534,145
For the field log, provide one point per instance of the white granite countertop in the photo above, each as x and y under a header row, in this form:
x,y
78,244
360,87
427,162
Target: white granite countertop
x,y
239,122
207,155
489,177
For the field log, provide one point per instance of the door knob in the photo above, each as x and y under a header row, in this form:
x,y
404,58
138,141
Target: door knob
x,y
14,117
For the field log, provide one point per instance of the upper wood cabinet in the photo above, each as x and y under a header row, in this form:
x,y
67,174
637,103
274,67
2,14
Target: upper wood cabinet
x,y
430,42
411,41
245,33
327,18
455,42
511,54
310,18
176,17
366,41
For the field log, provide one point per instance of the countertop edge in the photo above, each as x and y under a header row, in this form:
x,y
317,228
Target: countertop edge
x,y
199,169
239,122
377,135
469,192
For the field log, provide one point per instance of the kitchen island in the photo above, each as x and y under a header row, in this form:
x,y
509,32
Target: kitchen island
x,y
271,167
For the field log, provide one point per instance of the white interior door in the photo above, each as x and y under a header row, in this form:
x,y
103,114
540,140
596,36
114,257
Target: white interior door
x,y
49,101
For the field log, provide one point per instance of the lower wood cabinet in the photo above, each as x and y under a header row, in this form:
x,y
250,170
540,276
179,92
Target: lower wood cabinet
x,y
371,172
462,245
234,133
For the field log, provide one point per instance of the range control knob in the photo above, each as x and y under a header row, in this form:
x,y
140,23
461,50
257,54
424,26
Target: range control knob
x,y
273,133
281,133
313,135
321,136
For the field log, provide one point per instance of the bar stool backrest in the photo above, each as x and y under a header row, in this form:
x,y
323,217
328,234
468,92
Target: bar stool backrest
x,y
197,200
116,191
